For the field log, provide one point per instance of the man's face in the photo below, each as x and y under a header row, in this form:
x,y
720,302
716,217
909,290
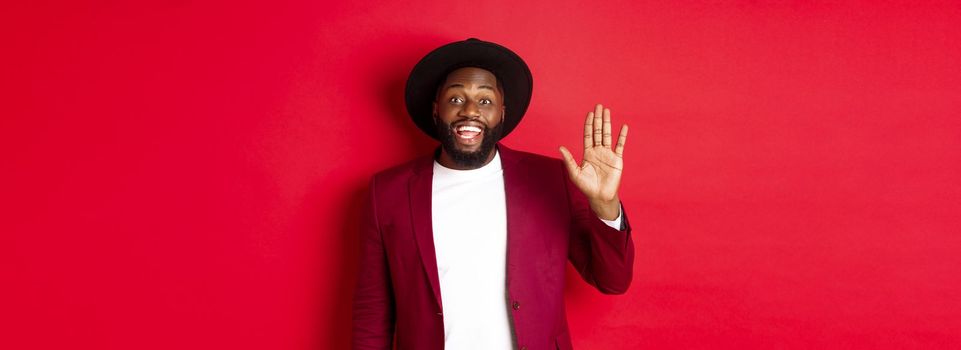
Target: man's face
x,y
469,113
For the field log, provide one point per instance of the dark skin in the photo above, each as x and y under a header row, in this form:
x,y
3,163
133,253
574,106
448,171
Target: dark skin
x,y
471,97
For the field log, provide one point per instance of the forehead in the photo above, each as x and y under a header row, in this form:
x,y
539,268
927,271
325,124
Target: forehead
x,y
470,76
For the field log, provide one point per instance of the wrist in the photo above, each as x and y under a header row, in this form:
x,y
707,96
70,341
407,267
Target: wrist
x,y
606,209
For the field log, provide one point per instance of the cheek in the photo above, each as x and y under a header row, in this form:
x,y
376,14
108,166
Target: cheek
x,y
498,115
446,115
445,109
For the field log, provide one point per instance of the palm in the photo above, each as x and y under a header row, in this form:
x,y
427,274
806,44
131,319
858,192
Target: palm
x,y
599,175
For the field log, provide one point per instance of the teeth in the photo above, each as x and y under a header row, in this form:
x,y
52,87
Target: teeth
x,y
469,128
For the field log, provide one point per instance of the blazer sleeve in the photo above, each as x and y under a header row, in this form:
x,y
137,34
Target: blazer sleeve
x,y
373,308
602,255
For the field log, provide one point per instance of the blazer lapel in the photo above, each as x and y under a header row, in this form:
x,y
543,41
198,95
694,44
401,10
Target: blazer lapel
x,y
515,196
420,191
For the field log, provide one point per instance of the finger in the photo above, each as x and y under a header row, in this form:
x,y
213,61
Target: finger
x,y
598,111
588,129
569,161
607,128
621,140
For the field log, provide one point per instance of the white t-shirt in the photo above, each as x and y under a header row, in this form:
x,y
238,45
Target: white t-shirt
x,y
469,217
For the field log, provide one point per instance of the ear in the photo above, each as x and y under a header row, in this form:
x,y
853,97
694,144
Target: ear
x,y
434,112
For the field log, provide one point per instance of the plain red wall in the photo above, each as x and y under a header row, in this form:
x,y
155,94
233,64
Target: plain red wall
x,y
187,175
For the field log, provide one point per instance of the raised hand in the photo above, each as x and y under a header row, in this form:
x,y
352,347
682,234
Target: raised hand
x,y
599,175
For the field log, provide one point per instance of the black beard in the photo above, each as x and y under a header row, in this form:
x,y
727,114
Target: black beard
x,y
469,160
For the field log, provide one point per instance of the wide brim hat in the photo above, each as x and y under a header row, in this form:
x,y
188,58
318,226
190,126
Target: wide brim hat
x,y
507,66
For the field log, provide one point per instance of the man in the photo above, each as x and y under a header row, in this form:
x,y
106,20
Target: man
x,y
466,249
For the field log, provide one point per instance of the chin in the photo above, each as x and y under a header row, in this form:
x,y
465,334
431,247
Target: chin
x,y
473,150
473,156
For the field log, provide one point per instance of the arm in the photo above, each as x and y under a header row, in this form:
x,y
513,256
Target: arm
x,y
373,313
603,255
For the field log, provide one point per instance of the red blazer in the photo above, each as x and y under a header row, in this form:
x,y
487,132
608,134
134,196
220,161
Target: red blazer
x,y
549,222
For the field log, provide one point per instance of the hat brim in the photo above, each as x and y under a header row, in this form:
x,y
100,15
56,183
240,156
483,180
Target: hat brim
x,y
508,67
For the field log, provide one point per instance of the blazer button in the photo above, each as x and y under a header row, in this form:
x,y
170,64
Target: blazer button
x,y
523,348
517,305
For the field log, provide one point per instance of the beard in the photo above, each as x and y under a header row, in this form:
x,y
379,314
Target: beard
x,y
468,159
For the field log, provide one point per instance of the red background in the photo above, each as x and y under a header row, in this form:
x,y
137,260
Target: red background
x,y
187,175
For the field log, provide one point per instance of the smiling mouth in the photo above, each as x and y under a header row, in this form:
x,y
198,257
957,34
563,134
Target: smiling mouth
x,y
468,133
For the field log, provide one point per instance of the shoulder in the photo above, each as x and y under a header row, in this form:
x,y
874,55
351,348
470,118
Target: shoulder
x,y
401,173
528,160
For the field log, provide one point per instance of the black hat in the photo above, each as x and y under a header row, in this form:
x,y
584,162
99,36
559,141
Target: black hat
x,y
510,70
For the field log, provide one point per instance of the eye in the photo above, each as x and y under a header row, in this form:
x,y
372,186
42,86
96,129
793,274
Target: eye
x,y
486,101
456,100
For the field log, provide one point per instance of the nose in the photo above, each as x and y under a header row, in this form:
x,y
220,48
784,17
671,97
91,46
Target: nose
x,y
470,110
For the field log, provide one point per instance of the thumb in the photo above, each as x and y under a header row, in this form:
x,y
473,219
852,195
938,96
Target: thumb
x,y
569,161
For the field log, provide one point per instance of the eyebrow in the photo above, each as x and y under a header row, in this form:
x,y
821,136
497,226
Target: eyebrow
x,y
488,87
